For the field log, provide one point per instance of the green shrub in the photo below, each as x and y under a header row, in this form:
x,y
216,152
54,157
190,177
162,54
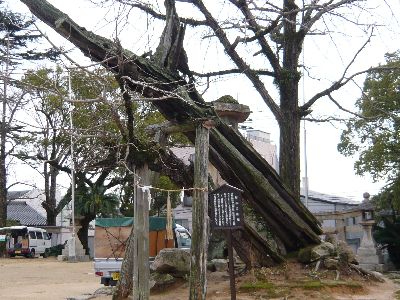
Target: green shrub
x,y
387,233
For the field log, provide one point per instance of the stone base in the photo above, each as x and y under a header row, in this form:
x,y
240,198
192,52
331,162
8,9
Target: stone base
x,y
373,259
368,267
381,268
364,251
369,256
78,258
374,267
79,252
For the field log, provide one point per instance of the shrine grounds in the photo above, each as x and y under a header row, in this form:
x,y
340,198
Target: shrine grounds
x,y
49,279
45,279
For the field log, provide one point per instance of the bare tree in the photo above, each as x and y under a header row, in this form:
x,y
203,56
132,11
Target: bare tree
x,y
273,34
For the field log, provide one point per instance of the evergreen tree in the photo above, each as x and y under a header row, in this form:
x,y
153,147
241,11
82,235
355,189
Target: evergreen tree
x,y
17,44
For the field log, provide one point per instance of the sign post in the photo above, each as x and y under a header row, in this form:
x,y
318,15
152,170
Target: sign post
x,y
226,213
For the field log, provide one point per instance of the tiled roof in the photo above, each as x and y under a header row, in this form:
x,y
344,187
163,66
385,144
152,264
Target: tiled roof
x,y
184,153
328,198
12,195
25,214
366,205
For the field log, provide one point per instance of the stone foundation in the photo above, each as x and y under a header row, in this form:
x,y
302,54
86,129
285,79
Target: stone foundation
x,y
79,252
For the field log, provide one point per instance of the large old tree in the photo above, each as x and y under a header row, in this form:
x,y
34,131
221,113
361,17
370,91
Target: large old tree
x,y
179,101
157,78
263,41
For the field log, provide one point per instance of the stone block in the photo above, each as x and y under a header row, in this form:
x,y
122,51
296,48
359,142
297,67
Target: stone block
x,y
368,267
381,268
221,265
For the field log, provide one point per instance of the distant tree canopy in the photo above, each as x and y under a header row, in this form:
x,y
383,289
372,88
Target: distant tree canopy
x,y
375,133
387,233
17,33
19,43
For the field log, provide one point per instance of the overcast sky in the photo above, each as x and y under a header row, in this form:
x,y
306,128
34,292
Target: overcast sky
x,y
328,171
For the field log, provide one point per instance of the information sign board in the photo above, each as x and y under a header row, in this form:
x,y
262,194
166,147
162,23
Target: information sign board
x,y
226,210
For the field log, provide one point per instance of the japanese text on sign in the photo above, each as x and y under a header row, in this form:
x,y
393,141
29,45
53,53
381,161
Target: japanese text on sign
x,y
226,209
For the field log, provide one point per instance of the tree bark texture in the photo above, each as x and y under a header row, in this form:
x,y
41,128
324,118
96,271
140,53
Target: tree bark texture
x,y
125,283
50,187
3,192
236,160
289,124
83,231
254,250
200,222
3,170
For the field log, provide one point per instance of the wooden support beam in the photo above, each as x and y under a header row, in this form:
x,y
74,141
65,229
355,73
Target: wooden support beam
x,y
200,222
169,127
141,269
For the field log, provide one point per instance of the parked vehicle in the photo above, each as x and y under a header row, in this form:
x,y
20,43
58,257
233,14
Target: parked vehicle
x,y
25,241
111,236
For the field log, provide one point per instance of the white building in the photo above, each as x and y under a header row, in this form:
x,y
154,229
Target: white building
x,y
31,201
261,142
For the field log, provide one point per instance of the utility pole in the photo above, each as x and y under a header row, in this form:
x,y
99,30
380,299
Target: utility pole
x,y
3,135
72,242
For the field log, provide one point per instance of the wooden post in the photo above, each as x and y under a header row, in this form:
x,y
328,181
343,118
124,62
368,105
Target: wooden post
x,y
141,270
198,252
231,264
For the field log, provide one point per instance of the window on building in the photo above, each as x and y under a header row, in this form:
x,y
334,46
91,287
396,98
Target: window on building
x,y
351,221
183,222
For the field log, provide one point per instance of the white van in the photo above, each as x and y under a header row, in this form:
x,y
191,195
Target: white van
x,y
25,241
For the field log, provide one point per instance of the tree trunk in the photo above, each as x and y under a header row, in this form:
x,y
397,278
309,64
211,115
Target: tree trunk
x,y
289,152
50,204
3,195
125,284
200,222
3,170
251,248
289,124
83,232
3,175
282,210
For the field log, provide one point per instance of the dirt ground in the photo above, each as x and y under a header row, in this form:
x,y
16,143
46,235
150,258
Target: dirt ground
x,y
45,279
49,279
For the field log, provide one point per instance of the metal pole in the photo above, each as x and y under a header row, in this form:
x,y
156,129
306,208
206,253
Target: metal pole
x,y
305,165
305,132
72,252
3,137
